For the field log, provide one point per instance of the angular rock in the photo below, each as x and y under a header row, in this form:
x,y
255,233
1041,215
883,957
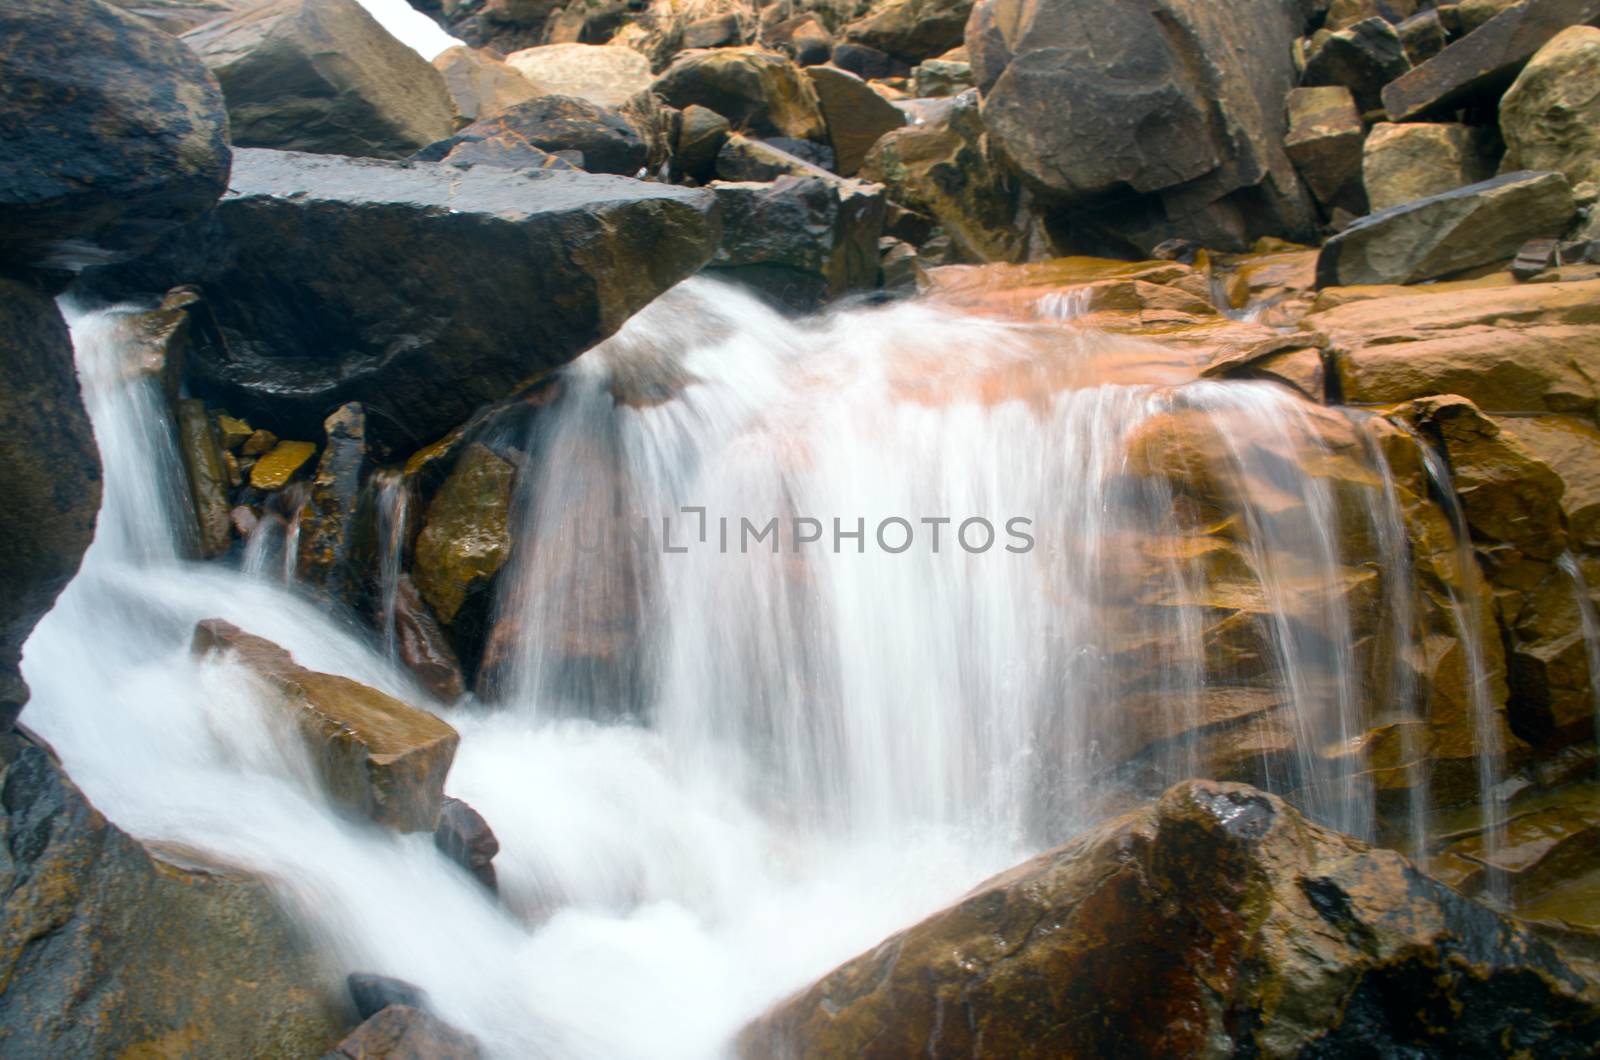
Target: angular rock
x,y
857,116
327,541
941,77
1550,117
1363,58
316,307
607,142
1423,35
1218,920
1471,14
479,86
465,838
1535,256
423,647
110,949
868,63
323,76
1404,163
400,1032
715,31
374,993
1324,142
1480,65
741,158
700,137
208,478
114,133
607,76
281,464
178,16
464,543
986,46
49,474
911,30
377,758
1478,225
760,92
804,239
803,38
503,25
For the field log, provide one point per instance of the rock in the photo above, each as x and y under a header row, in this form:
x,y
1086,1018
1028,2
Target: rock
x,y
1324,142
868,63
1218,920
208,478
465,541
606,140
323,76
1423,36
315,307
607,76
1552,702
941,77
465,838
374,993
986,46
1535,256
259,443
1568,446
715,31
803,38
109,949
479,86
657,125
911,30
857,117
1404,163
741,158
1550,118
49,474
281,465
176,16
1342,14
700,137
1542,849
941,168
760,92
377,758
1102,102
1471,14
803,239
399,1032
1363,58
327,541
1450,233
503,25
1481,64
114,133
232,432
423,647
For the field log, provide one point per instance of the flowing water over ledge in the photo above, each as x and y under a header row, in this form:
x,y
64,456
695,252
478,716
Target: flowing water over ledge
x,y
717,772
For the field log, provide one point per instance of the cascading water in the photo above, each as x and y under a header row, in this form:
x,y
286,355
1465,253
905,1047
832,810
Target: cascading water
x,y
1589,618
733,742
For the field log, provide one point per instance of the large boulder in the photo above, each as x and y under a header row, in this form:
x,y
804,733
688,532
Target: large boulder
x,y
337,279
607,75
323,76
481,86
1324,142
1177,101
1550,118
377,757
760,92
1216,922
49,474
1470,227
911,30
114,132
802,239
1363,58
1402,163
606,141
109,949
857,116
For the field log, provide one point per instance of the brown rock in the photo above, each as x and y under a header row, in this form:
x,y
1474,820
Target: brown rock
x,y
760,92
281,464
1550,118
466,537
465,838
700,136
803,38
607,76
911,30
328,544
1403,163
480,86
400,1032
1362,57
1324,142
422,645
208,477
857,116
605,141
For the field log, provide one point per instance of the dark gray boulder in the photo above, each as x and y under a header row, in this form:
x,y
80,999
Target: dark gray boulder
x,y
1363,58
802,240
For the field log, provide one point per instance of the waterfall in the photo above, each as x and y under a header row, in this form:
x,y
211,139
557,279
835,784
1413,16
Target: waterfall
x,y
749,718
1589,618
392,503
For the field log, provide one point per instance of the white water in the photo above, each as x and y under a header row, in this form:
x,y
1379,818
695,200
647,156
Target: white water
x,y
815,748
410,27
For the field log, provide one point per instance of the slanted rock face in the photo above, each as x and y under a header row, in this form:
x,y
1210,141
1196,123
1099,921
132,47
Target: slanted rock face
x,y
1550,118
114,132
318,306
378,758
109,950
857,116
760,92
323,76
1216,922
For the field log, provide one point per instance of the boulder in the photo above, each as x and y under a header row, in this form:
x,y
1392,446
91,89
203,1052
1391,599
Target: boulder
x,y
323,76
714,31
606,141
1423,35
1550,118
176,16
700,136
934,78
607,76
464,543
804,240
760,92
1470,227
400,1032
49,474
1363,58
1324,142
803,38
422,645
376,757
315,306
327,543
1402,163
1481,64
857,116
1218,921
868,63
208,478
114,133
911,30
465,838
373,993
110,949
480,86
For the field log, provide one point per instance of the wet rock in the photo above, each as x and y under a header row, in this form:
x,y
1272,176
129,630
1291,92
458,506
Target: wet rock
x,y
1363,58
164,336
911,30
259,443
480,86
857,116
760,92
1404,163
802,239
803,38
464,542
1552,702
1550,118
281,465
399,1032
603,75
1542,848
315,307
49,474
1481,64
465,838
323,76
326,556
232,432
110,949
1470,227
700,137
377,757
607,142
1218,919
1324,142
423,647
208,478
114,133
374,993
